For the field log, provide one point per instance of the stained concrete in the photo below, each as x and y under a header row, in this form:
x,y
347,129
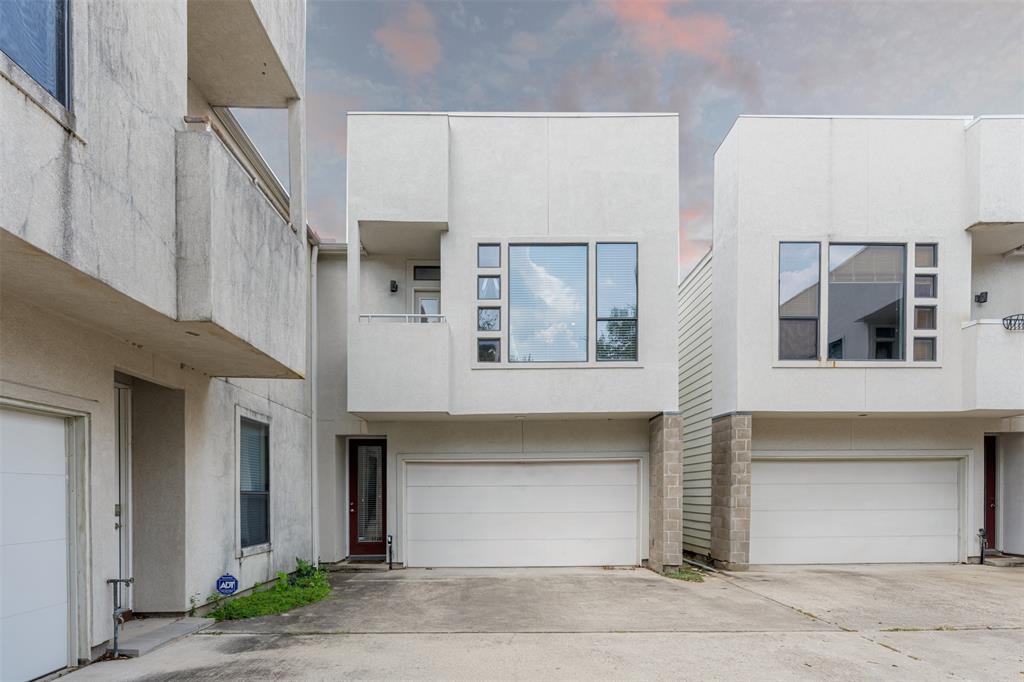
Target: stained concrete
x,y
593,624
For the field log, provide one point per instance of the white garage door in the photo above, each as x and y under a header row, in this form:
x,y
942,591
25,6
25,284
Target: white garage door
x,y
847,511
522,513
33,540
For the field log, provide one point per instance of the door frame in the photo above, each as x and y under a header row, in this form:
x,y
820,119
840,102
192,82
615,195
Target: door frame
x,y
351,472
126,557
79,537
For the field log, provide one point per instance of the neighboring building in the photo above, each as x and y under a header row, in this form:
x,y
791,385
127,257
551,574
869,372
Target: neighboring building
x,y
867,402
491,389
145,260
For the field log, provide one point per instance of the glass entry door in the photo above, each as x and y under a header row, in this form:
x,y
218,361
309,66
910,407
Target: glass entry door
x,y
367,497
428,305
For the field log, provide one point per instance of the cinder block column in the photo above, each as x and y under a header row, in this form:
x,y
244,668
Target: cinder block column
x,y
666,493
730,491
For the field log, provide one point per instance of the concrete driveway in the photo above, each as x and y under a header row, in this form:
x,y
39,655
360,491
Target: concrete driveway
x,y
849,622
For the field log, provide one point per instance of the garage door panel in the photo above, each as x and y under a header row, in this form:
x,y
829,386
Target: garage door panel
x,y
854,550
21,492
34,576
868,523
487,553
34,643
894,496
854,511
857,471
518,473
551,498
31,443
522,526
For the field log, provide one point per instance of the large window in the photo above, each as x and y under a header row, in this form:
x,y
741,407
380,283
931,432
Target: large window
x,y
547,303
616,302
33,35
799,278
866,289
254,483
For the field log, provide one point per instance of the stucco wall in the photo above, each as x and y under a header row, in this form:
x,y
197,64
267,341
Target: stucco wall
x,y
51,361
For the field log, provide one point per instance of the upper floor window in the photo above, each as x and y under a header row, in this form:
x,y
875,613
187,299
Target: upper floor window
x,y
547,302
866,289
799,278
617,301
33,33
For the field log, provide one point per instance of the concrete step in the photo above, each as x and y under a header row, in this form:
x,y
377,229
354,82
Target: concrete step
x,y
1004,560
349,566
139,637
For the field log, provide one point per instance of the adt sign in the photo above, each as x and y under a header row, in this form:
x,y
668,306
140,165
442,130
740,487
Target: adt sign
x,y
227,584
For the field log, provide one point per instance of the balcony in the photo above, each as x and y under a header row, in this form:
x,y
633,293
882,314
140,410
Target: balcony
x,y
241,267
995,171
398,364
993,366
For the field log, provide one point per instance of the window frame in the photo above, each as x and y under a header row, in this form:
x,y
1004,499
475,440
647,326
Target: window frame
x,y
57,107
597,300
488,339
497,309
483,277
479,265
589,321
243,413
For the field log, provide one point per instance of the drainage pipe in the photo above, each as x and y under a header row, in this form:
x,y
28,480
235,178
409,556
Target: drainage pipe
x,y
314,345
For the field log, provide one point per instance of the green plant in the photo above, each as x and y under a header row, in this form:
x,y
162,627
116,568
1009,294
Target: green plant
x,y
687,574
306,585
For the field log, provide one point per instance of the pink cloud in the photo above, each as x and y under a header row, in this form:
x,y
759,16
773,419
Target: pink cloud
x,y
328,122
655,28
410,39
692,248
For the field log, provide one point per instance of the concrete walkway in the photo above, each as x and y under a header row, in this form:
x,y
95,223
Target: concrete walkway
x,y
843,623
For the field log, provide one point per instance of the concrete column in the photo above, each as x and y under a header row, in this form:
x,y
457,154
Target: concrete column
x,y
666,491
730,491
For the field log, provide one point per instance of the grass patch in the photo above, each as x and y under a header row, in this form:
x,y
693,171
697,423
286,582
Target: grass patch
x,y
305,586
687,574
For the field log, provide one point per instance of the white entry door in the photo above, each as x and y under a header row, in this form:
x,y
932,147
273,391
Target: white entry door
x,y
565,513
854,511
33,539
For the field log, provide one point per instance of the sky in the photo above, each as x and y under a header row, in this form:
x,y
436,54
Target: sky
x,y
708,61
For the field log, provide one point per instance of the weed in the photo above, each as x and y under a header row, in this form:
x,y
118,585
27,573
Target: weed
x,y
306,585
687,574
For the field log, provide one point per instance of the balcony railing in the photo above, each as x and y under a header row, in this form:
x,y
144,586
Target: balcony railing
x,y
1014,323
404,318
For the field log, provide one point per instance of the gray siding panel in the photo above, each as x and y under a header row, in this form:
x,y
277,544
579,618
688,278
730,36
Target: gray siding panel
x,y
695,405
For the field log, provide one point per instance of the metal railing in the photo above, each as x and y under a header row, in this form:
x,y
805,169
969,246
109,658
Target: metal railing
x,y
1014,323
405,318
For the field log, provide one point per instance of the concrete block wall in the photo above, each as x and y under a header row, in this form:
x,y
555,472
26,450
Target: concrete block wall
x,y
730,490
666,491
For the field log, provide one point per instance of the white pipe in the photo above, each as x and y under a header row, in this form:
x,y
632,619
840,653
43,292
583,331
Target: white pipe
x,y
314,343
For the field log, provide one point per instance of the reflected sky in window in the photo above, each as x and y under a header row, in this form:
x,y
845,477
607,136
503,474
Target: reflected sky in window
x,y
548,303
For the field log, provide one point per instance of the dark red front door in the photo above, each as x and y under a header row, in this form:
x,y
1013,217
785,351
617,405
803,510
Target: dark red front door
x,y
990,491
367,497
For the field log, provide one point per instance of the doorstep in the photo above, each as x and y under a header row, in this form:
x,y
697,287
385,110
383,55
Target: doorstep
x,y
358,565
140,636
1001,560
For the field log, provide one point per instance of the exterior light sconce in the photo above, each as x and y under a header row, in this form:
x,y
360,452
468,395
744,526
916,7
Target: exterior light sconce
x,y
394,286
981,298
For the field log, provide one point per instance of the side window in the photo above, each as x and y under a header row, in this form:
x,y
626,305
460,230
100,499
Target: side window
x,y
799,300
617,302
254,482
33,34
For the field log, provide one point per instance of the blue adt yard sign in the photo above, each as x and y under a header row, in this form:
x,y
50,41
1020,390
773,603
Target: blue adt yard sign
x,y
227,584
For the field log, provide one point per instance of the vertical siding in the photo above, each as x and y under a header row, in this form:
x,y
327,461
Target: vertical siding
x,y
695,405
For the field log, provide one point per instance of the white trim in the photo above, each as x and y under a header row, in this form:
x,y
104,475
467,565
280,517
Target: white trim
x,y
267,547
123,439
79,586
643,482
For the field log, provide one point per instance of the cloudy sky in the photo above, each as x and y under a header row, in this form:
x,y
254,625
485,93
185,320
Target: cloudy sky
x,y
708,61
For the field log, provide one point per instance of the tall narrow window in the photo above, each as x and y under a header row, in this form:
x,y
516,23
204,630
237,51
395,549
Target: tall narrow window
x,y
254,483
866,290
33,34
547,303
799,279
617,302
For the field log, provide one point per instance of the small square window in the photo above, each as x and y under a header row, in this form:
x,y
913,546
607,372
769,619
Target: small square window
x,y
926,255
426,273
488,288
488,350
488,256
924,349
925,286
924,317
488,319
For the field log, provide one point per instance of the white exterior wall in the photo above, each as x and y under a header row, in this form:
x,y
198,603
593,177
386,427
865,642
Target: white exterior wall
x,y
695,403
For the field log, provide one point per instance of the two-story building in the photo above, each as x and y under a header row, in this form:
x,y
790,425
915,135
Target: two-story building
x,y
492,383
154,419
852,349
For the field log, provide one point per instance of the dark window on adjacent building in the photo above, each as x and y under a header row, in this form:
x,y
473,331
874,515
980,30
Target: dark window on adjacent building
x,y
488,350
254,482
617,302
33,33
426,273
866,291
799,287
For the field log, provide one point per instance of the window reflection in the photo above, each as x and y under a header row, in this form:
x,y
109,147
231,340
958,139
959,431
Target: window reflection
x,y
865,301
547,303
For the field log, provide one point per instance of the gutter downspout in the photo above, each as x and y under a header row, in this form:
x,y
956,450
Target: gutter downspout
x,y
314,343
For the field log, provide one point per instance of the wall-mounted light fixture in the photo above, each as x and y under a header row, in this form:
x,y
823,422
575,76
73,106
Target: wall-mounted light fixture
x,y
394,286
981,298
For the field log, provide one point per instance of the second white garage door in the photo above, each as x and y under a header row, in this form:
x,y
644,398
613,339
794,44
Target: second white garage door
x,y
854,511
567,513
